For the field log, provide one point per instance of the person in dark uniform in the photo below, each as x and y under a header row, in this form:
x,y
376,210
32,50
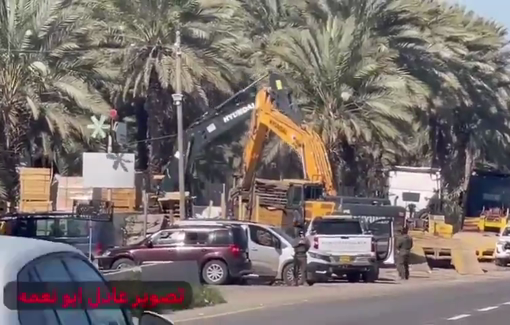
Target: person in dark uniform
x,y
301,247
404,244
165,222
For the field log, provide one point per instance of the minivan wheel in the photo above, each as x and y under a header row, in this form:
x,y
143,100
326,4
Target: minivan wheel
x,y
123,263
288,274
215,272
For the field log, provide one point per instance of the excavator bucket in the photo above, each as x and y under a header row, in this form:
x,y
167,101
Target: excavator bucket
x,y
282,95
278,83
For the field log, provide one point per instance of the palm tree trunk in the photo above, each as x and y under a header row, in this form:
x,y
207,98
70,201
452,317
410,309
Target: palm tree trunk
x,y
141,136
157,110
350,173
468,164
434,141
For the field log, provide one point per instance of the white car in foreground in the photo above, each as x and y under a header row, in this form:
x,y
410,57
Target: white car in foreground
x,y
502,252
33,260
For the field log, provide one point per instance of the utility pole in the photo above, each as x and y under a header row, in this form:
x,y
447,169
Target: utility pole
x,y
177,98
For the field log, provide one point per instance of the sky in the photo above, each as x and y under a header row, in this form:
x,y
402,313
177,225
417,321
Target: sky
x,y
498,10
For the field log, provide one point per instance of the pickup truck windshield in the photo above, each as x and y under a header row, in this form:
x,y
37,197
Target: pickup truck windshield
x,y
337,227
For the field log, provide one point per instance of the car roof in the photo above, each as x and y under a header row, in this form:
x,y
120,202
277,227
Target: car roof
x,y
22,249
16,252
197,225
337,217
217,222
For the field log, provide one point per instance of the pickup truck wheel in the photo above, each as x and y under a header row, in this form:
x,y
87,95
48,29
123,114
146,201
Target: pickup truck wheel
x,y
499,262
215,272
353,277
123,263
371,276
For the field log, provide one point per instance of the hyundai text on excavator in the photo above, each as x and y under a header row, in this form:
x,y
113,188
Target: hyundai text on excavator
x,y
304,199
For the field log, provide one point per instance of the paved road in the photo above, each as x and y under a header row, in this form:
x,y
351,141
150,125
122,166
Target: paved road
x,y
463,304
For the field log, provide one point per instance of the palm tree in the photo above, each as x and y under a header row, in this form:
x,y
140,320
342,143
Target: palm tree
x,y
482,114
348,82
260,21
45,82
146,31
458,56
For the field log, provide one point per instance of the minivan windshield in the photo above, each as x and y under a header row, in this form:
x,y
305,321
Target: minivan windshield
x,y
336,227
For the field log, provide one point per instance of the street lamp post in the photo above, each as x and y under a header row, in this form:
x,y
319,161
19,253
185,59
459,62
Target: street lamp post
x,y
177,98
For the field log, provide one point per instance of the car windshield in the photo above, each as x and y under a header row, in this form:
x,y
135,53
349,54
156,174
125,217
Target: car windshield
x,y
282,233
337,227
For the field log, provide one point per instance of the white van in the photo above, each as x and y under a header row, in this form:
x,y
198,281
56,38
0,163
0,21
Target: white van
x,y
270,248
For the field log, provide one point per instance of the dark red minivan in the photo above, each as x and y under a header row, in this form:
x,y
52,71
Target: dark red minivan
x,y
220,251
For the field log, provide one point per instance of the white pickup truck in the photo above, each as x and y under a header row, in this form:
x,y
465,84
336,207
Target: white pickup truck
x,y
502,252
341,246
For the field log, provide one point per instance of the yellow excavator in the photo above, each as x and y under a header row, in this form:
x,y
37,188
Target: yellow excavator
x,y
274,113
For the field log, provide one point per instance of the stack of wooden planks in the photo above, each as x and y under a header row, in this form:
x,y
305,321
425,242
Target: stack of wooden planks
x,y
70,188
124,199
272,195
271,192
35,189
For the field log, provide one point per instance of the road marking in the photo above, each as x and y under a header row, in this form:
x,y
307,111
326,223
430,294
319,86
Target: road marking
x,y
219,315
506,303
487,308
458,317
202,316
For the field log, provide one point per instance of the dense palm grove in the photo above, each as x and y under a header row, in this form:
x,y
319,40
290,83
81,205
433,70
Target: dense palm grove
x,y
385,82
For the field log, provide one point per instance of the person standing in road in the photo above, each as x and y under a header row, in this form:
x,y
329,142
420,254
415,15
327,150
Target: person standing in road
x,y
301,247
165,223
404,244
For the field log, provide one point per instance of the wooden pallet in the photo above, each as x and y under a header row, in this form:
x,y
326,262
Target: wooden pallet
x,y
124,199
271,193
35,184
35,206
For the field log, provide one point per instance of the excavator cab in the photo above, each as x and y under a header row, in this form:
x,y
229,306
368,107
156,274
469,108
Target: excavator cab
x,y
305,201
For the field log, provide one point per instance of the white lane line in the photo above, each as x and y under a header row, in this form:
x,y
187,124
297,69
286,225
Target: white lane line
x,y
487,308
506,303
458,317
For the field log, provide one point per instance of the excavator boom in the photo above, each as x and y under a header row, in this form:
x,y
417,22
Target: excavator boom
x,y
306,143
